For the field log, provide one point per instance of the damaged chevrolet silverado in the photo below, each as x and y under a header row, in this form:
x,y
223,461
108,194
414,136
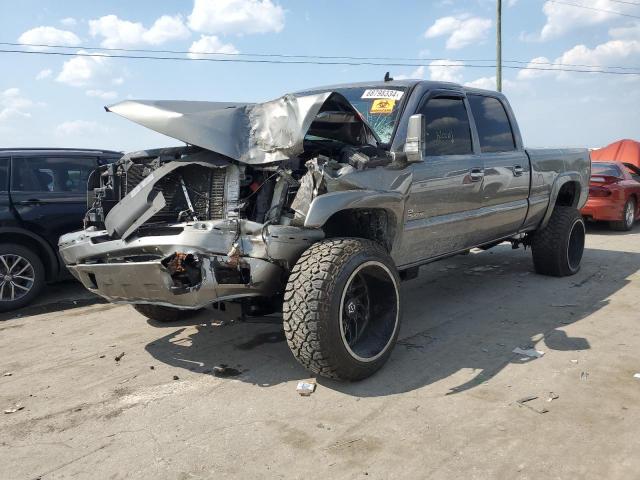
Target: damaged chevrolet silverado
x,y
319,203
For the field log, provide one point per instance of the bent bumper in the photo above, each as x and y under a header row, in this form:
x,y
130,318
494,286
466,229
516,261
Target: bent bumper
x,y
190,268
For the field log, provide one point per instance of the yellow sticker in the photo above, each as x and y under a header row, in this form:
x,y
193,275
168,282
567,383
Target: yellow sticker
x,y
383,105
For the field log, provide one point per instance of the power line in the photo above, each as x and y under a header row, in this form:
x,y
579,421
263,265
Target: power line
x,y
309,62
594,8
626,3
321,57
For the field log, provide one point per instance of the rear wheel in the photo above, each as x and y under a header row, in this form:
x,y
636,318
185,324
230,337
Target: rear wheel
x,y
628,217
22,276
558,247
164,314
342,308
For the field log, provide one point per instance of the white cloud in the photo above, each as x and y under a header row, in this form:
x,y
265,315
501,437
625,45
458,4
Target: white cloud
x,y
42,74
209,44
446,71
105,95
418,73
563,18
488,83
49,36
236,16
69,22
118,33
14,104
79,128
82,71
461,30
629,32
611,53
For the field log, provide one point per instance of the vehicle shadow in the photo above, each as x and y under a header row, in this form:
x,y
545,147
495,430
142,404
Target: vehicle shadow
x,y
64,295
462,317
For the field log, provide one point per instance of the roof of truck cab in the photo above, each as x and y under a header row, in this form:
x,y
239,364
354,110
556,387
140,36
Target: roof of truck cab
x,y
406,83
57,151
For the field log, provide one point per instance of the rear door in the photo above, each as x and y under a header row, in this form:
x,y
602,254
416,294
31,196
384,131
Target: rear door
x,y
445,201
507,172
49,193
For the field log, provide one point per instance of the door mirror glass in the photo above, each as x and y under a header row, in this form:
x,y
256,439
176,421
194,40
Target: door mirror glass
x,y
414,145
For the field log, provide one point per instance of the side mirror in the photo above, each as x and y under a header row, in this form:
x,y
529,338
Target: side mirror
x,y
414,145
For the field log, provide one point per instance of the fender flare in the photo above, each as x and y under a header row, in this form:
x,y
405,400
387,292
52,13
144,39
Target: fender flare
x,y
558,183
324,206
51,261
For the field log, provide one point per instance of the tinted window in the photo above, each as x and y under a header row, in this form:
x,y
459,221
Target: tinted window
x,y
607,169
492,123
51,174
448,131
4,174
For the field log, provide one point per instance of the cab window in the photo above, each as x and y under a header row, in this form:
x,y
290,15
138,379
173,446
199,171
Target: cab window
x,y
447,127
492,122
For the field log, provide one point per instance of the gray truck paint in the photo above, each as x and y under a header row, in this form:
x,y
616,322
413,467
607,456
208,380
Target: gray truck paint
x,y
434,210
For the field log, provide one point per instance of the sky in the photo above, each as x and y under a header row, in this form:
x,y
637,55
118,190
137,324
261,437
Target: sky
x,y
56,101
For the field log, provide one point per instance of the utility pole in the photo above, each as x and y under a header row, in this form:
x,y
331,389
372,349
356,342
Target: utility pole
x,y
499,46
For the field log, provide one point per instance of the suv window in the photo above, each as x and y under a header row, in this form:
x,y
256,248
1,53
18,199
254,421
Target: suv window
x,y
4,174
51,174
448,131
492,123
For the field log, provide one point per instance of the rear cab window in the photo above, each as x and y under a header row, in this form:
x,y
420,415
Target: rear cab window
x,y
492,123
51,174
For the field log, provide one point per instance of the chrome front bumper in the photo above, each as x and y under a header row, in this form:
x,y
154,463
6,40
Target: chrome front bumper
x,y
140,270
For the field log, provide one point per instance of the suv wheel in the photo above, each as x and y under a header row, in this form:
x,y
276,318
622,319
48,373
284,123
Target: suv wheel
x,y
21,276
164,314
628,217
558,247
342,308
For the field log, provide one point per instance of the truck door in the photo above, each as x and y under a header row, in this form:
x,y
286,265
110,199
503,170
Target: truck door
x,y
49,193
507,172
441,214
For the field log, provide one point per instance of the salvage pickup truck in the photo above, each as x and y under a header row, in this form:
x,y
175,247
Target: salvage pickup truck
x,y
319,203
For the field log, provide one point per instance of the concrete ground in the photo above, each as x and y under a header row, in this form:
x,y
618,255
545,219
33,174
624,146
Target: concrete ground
x,y
445,406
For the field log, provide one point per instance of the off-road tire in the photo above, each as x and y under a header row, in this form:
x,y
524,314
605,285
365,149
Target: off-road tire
x,y
551,245
164,314
313,303
624,225
38,275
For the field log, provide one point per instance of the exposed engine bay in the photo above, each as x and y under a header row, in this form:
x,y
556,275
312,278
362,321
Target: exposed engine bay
x,y
187,226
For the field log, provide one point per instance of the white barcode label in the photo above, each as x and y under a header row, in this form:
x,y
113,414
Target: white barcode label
x,y
383,93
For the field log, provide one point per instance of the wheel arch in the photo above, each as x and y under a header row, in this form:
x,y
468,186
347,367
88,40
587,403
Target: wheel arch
x,y
566,191
361,213
37,244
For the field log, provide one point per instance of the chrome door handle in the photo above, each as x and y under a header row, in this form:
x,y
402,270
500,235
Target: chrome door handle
x,y
476,174
518,171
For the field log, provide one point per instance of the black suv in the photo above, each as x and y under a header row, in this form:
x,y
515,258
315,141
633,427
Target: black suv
x,y
43,194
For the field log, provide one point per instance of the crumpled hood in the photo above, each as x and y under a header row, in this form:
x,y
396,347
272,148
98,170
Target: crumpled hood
x,y
251,133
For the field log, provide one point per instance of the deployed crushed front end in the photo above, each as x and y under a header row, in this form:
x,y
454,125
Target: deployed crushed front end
x,y
188,226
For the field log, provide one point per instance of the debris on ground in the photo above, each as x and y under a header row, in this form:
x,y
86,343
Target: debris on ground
x,y
225,371
176,377
16,408
152,367
117,358
552,397
574,361
562,305
529,352
637,375
8,374
306,387
584,376
102,356
523,402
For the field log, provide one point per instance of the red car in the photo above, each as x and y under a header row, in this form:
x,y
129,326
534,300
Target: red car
x,y
614,194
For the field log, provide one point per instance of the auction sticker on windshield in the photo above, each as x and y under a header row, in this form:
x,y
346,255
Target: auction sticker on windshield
x,y
383,93
382,105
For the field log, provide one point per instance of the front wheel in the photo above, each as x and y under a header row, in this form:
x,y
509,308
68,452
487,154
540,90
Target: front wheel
x,y
342,308
628,217
558,247
22,276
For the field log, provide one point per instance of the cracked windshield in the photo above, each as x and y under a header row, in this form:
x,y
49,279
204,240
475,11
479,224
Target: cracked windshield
x,y
379,106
